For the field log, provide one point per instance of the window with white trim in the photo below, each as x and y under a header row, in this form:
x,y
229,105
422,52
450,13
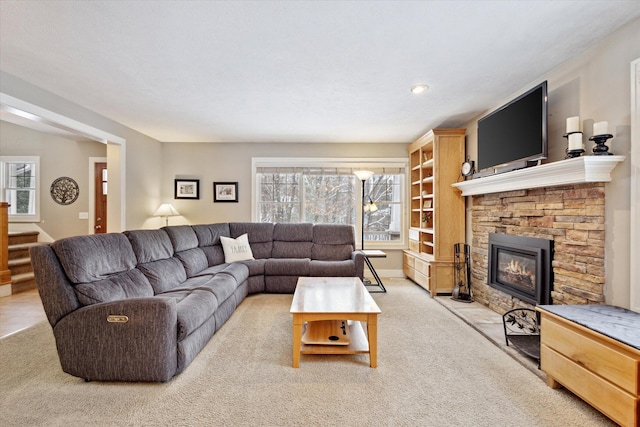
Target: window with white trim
x,y
19,186
328,192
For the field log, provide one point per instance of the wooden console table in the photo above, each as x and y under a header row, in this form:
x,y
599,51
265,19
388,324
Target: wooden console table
x,y
594,351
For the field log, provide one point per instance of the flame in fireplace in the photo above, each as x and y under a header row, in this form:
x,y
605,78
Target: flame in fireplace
x,y
514,267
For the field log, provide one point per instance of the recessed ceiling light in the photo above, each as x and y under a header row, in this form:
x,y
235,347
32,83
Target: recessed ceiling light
x,y
419,89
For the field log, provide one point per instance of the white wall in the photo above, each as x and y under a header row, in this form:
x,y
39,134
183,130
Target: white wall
x,y
595,86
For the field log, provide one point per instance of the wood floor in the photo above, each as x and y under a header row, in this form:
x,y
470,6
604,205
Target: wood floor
x,y
20,311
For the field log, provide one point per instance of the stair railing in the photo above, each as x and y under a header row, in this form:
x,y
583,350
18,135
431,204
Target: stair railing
x,y
5,273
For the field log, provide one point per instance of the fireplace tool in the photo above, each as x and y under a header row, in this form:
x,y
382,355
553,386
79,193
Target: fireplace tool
x,y
462,273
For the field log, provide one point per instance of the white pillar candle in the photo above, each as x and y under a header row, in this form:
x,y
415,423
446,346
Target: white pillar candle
x,y
600,128
575,141
573,124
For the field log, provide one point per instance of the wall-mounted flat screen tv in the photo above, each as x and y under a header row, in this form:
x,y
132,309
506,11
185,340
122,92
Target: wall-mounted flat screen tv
x,y
515,132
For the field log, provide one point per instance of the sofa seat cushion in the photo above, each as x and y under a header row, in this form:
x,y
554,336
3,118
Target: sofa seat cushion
x,y
129,284
256,267
212,271
221,285
287,267
194,307
332,268
90,258
238,271
197,282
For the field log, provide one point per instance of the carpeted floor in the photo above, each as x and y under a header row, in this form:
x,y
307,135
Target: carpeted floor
x,y
434,370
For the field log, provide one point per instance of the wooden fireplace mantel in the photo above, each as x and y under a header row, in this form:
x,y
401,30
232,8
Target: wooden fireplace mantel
x,y
564,172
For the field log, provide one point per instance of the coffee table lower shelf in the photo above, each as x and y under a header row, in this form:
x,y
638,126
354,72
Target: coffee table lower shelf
x,y
358,342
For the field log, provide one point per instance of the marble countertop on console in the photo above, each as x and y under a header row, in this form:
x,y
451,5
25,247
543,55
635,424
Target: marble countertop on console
x,y
615,322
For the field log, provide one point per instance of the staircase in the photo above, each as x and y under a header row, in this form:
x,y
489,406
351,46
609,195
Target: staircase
x,y
19,261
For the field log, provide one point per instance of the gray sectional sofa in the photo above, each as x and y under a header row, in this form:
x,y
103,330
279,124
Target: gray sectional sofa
x,y
140,305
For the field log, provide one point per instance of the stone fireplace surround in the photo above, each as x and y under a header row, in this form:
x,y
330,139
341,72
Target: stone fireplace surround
x,y
568,211
572,216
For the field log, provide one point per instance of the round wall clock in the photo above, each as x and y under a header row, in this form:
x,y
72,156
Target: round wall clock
x,y
64,190
468,168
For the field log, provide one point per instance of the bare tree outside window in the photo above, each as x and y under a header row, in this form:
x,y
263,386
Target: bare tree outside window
x,y
322,196
385,190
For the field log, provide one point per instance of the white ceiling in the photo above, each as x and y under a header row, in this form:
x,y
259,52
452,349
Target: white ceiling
x,y
295,71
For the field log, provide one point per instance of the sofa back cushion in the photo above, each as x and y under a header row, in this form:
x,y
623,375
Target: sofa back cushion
x,y
333,242
260,236
194,261
209,234
185,245
209,241
101,268
129,284
292,240
165,274
88,259
155,252
150,245
182,237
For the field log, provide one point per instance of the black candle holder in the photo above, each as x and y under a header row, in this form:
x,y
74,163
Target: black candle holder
x,y
600,149
572,153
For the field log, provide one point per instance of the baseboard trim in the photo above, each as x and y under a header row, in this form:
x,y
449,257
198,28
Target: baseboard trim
x,y
386,273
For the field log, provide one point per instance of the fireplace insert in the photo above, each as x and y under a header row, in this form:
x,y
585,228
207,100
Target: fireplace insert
x,y
521,267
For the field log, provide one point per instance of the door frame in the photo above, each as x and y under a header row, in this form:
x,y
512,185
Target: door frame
x,y
634,250
92,191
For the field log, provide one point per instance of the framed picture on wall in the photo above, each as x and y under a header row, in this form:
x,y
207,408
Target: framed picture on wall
x,y
225,192
187,189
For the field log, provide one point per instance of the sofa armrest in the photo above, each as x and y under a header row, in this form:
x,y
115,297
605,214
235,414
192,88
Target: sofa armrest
x,y
358,258
127,340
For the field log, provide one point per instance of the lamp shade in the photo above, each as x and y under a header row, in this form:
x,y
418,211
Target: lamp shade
x,y
363,175
166,209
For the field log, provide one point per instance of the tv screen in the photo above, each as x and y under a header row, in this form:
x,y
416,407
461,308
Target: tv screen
x,y
514,132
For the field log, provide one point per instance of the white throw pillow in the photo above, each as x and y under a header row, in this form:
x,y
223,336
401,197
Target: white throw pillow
x,y
236,249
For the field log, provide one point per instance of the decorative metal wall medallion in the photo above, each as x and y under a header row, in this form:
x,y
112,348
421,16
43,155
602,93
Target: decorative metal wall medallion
x,y
64,190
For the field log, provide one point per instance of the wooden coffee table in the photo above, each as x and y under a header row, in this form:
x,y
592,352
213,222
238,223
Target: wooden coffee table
x,y
335,298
